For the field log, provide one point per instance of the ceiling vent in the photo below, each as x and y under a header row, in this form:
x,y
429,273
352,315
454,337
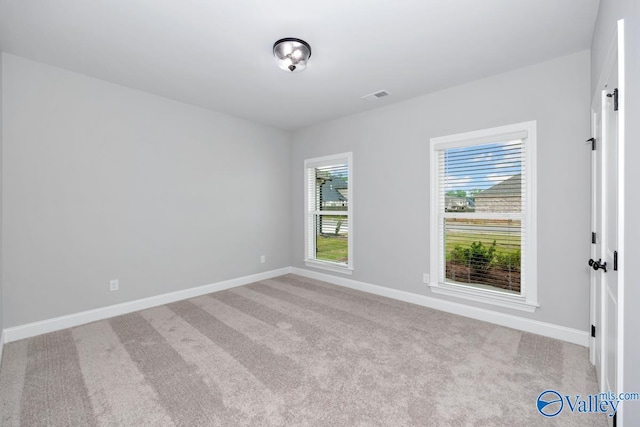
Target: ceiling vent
x,y
375,95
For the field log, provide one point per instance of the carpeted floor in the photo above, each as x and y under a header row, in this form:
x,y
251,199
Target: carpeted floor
x,y
290,352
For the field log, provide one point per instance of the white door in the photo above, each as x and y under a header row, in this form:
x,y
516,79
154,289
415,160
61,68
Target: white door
x,y
605,290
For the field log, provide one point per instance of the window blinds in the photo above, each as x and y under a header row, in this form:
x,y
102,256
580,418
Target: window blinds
x,y
328,222
481,193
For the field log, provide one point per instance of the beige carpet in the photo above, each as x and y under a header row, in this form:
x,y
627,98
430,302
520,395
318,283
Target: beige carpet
x,y
289,352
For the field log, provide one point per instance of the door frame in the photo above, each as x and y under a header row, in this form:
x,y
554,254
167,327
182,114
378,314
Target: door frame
x,y
594,248
616,53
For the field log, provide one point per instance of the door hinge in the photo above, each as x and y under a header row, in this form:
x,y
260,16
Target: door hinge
x,y
593,331
593,237
614,95
593,143
615,260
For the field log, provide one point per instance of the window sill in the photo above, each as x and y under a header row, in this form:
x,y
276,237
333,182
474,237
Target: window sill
x,y
336,268
500,299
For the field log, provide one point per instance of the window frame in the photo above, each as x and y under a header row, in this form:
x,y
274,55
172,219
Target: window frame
x,y
528,298
309,233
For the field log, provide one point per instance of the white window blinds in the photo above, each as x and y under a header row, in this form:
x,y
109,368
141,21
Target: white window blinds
x,y
328,209
482,199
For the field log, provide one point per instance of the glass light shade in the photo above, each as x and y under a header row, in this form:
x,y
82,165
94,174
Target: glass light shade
x,y
292,54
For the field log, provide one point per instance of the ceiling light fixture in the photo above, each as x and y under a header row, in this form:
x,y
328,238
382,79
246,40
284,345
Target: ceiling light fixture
x,y
292,54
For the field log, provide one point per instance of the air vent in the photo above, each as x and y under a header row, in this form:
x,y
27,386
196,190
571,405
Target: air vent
x,y
375,95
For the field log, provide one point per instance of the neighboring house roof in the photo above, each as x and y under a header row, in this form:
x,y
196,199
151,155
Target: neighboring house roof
x,y
334,189
511,187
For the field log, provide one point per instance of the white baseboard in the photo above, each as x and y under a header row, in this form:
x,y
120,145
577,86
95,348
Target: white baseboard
x,y
42,327
574,336
550,330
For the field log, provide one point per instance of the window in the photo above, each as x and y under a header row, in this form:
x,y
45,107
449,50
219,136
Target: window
x,y
483,218
328,206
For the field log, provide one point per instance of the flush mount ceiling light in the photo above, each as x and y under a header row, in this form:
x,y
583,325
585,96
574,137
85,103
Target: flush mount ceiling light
x,y
292,54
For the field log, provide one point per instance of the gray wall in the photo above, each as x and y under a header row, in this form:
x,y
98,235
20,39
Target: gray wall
x,y
103,182
610,11
1,174
391,178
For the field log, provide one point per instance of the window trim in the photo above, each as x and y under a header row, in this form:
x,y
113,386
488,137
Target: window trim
x,y
308,240
528,298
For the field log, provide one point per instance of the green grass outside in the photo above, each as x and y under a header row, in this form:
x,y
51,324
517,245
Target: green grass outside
x,y
332,248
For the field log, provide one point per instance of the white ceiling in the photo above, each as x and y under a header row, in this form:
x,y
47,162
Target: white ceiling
x,y
217,53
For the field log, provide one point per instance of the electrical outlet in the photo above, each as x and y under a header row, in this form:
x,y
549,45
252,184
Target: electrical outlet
x,y
114,285
425,278
263,259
